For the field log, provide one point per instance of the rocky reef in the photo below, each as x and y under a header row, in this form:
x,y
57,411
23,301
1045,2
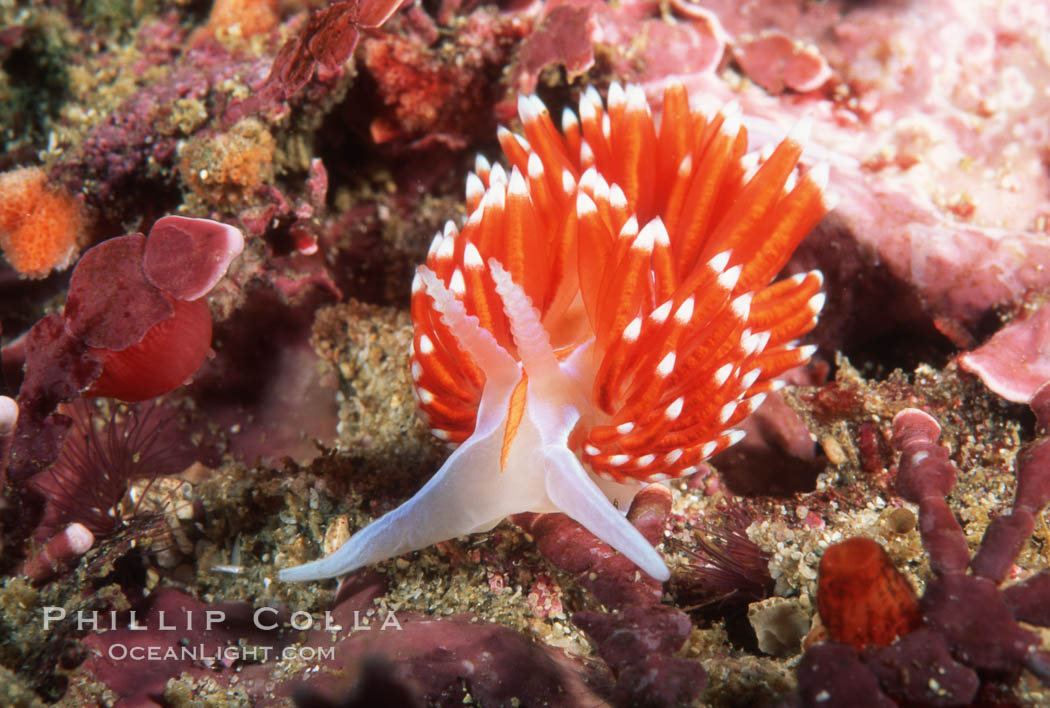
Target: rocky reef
x,y
211,215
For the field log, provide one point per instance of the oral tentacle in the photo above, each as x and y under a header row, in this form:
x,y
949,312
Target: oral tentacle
x,y
578,497
436,512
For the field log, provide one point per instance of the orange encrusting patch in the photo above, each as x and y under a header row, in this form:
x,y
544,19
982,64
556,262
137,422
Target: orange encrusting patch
x,y
41,226
862,598
242,18
655,239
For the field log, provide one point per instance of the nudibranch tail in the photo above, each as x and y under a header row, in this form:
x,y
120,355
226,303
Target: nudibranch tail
x,y
604,316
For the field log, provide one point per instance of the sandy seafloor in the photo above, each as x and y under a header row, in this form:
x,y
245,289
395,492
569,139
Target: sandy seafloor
x,y
303,421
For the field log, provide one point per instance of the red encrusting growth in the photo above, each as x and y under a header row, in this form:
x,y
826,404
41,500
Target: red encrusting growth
x,y
166,356
326,42
655,243
137,304
862,598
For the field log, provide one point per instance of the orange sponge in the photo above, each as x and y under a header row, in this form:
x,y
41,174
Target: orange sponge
x,y
861,596
244,18
41,226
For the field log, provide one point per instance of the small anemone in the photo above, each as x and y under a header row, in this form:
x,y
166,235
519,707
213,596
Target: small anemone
x,y
107,451
724,572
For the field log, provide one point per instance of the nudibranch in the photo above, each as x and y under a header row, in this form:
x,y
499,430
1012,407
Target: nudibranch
x,y
604,318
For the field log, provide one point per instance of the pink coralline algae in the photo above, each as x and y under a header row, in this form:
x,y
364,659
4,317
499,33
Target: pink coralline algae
x,y
933,144
1016,361
969,631
967,100
117,152
776,62
122,156
568,31
435,89
563,35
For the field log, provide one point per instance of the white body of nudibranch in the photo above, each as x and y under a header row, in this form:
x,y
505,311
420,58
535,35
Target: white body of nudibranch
x,y
471,492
